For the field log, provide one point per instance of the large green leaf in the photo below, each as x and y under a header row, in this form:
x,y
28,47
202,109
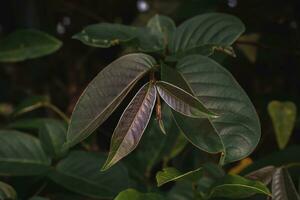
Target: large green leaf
x,y
283,115
21,154
105,93
283,187
181,101
131,194
7,192
27,44
79,172
132,125
238,124
204,33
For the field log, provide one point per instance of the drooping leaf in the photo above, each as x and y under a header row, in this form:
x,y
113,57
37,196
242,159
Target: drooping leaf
x,y
7,192
283,115
105,93
132,125
238,124
171,174
205,33
131,194
236,187
283,187
21,154
79,172
181,101
27,44
263,175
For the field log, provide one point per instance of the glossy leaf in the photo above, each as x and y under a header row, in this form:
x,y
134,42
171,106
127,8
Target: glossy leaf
x,y
263,175
238,124
131,194
7,192
283,115
21,155
79,173
104,93
132,125
181,101
205,33
236,187
27,44
170,174
283,187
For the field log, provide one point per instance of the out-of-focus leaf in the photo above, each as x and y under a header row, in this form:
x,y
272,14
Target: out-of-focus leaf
x,y
205,33
38,198
80,173
178,146
238,124
283,115
7,192
283,187
235,187
171,174
263,175
245,46
181,101
30,104
241,166
6,109
105,93
132,125
28,124
27,44
131,194
21,154
181,191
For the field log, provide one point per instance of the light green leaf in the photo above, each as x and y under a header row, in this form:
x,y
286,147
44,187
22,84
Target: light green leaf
x,y
204,33
131,194
238,124
236,187
104,93
7,192
171,174
132,125
283,187
27,44
283,115
79,172
21,155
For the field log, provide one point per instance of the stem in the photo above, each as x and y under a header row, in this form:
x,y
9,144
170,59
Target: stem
x,y
290,165
43,186
57,111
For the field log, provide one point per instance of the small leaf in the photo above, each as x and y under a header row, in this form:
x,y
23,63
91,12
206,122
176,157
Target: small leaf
x,y
171,174
79,173
131,194
181,101
283,115
235,187
21,155
27,44
263,175
104,93
7,192
283,187
132,125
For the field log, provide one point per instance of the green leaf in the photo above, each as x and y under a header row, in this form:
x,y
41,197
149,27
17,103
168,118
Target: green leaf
x,y
105,93
181,191
263,175
132,125
283,187
52,134
283,115
131,194
204,33
181,101
235,187
7,192
171,174
27,44
21,155
38,198
28,124
79,173
238,124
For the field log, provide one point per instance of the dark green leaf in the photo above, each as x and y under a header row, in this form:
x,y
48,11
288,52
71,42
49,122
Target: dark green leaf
x,y
27,44
105,93
263,175
132,125
38,198
7,192
181,191
21,154
283,187
283,115
131,194
79,172
28,124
